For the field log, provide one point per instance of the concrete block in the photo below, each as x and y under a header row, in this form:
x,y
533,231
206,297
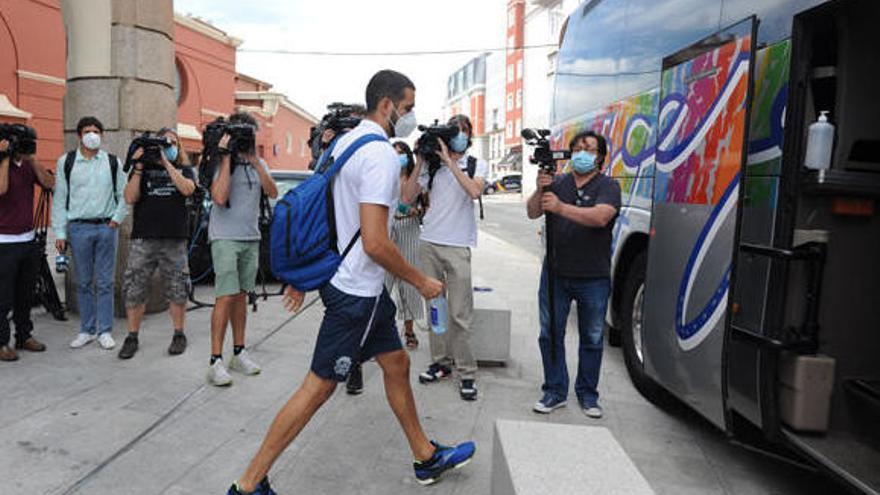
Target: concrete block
x,y
156,15
532,457
95,97
491,324
145,105
142,54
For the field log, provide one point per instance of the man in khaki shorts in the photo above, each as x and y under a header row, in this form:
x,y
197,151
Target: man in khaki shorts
x,y
157,188
239,181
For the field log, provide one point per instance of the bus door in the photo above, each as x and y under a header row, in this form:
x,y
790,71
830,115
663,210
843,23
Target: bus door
x,y
701,146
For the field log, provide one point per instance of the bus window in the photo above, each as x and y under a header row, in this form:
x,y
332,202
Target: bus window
x,y
586,76
774,15
656,29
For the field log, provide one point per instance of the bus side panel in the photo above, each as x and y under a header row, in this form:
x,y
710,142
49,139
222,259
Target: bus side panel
x,y
701,142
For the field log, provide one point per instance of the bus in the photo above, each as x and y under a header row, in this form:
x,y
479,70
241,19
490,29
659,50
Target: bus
x,y
744,284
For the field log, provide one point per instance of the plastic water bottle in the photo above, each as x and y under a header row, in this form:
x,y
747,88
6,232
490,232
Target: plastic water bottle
x,y
439,315
820,142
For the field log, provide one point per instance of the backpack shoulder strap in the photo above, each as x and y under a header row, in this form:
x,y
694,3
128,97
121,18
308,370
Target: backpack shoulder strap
x,y
352,148
69,160
472,171
114,172
471,166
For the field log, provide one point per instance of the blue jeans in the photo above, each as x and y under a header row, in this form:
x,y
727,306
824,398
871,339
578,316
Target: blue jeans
x,y
94,254
591,295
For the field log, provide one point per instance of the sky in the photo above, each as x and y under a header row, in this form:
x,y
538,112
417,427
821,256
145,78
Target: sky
x,y
354,26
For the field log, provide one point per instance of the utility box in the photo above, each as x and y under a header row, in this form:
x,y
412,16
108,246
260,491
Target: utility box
x,y
490,329
805,385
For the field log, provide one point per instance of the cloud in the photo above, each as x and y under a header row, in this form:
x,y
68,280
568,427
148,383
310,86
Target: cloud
x,y
354,26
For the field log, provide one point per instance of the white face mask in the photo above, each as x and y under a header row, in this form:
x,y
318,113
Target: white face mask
x,y
91,140
405,124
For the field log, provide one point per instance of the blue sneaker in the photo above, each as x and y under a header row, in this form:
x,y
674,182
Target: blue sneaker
x,y
262,489
548,404
445,458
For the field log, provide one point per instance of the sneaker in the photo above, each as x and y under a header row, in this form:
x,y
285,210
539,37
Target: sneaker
x,y
244,364
81,340
467,389
178,344
594,412
435,372
262,489
355,384
129,347
548,404
217,374
444,459
105,340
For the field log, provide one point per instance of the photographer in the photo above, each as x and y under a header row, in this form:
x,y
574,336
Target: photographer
x,y
157,188
449,232
584,203
87,208
341,119
19,254
233,229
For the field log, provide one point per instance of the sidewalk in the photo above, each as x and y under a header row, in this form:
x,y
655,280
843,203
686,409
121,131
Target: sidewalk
x,y
86,422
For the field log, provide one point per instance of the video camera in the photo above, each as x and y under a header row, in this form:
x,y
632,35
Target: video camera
x,y
340,117
153,147
22,139
544,157
242,139
428,147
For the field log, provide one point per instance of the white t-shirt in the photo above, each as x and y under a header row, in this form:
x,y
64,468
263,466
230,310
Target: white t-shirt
x,y
372,176
450,218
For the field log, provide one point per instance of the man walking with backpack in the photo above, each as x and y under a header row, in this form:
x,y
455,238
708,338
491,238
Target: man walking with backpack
x,y
448,234
359,318
87,208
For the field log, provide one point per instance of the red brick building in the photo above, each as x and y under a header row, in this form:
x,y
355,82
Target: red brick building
x,y
33,74
32,71
514,74
284,126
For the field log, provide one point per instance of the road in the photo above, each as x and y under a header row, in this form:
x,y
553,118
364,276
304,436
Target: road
x,y
732,468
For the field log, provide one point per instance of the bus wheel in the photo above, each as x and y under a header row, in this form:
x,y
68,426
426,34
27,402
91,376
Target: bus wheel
x,y
631,326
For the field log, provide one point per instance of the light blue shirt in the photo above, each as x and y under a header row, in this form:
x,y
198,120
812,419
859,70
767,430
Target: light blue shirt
x,y
91,192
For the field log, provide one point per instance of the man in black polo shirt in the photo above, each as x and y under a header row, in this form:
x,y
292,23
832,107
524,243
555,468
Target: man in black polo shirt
x,y
158,194
584,203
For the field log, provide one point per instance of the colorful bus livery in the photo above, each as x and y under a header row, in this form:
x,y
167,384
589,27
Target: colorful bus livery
x,y
733,266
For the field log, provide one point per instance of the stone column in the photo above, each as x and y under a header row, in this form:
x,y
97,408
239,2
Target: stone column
x,y
120,69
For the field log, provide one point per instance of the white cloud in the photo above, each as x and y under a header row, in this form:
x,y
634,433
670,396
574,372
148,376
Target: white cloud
x,y
354,26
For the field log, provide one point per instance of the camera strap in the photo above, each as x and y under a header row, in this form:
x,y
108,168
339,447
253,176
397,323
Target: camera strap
x,y
472,171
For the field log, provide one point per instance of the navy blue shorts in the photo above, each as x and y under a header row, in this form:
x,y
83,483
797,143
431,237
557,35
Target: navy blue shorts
x,y
355,329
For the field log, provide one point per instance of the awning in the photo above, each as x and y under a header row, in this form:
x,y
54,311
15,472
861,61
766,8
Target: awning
x,y
188,131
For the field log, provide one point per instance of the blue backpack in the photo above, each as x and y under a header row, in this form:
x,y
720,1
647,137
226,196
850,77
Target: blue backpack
x,y
303,243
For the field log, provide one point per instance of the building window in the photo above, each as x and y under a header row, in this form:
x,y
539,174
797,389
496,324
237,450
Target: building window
x,y
519,98
509,130
518,126
288,143
303,147
179,83
510,69
511,18
494,119
511,42
509,101
519,69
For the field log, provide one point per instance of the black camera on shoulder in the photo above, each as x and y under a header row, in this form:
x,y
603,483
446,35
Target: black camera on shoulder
x,y
340,118
153,147
428,147
544,156
242,139
22,139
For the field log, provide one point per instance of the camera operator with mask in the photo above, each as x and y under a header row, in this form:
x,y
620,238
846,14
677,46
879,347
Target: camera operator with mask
x,y
234,232
448,234
584,203
19,254
157,189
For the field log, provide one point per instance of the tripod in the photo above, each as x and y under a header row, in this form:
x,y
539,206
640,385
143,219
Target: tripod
x,y
45,293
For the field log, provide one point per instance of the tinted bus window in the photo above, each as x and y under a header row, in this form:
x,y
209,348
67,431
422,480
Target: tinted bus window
x,y
775,16
586,76
657,29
